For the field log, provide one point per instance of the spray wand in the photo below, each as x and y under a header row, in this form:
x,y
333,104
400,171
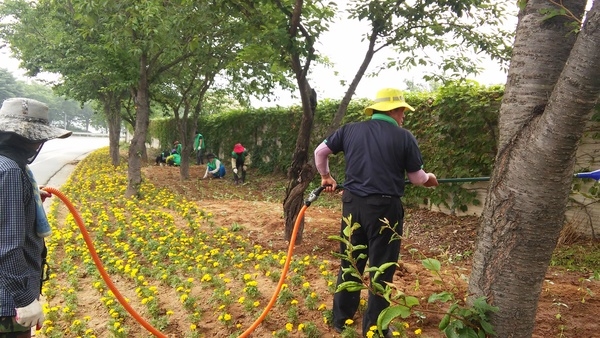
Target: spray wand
x,y
591,174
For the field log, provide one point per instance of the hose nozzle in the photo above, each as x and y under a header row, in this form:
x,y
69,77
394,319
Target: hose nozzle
x,y
313,196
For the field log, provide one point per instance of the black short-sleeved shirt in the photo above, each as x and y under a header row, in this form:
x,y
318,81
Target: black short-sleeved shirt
x,y
378,155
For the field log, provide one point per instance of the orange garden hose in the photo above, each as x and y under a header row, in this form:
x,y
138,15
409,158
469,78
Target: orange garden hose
x,y
286,267
123,301
99,266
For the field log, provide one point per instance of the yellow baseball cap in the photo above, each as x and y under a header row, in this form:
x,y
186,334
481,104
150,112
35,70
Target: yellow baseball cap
x,y
388,99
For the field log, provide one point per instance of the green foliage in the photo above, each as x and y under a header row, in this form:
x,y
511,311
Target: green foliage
x,y
468,321
457,128
9,86
269,134
426,25
579,257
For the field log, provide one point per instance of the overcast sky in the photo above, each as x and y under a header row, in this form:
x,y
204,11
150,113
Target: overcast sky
x,y
343,45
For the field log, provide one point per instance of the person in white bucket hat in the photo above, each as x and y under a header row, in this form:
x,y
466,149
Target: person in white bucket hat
x,y
379,153
24,127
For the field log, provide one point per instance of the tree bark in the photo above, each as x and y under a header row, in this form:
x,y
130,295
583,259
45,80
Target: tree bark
x,y
301,172
553,84
137,148
112,111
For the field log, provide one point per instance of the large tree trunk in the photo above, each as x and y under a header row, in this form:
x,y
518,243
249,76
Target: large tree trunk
x,y
137,148
552,86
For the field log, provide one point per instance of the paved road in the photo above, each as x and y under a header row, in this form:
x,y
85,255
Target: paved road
x,y
59,157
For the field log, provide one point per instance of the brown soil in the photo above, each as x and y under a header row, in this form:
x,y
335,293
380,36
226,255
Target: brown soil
x,y
568,306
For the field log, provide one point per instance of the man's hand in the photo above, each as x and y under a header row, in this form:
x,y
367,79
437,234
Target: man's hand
x,y
431,182
235,171
30,315
328,182
44,194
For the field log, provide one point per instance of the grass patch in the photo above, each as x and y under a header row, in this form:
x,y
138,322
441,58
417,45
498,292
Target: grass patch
x,y
577,257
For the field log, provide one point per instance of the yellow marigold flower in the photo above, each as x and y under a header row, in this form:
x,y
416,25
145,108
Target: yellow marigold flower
x,y
170,312
363,302
300,327
322,307
227,317
241,300
373,328
193,327
256,303
418,331
349,322
294,302
289,327
370,334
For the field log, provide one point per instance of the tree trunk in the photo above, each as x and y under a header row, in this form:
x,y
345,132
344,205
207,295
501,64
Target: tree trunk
x,y
112,111
138,142
540,125
300,172
186,130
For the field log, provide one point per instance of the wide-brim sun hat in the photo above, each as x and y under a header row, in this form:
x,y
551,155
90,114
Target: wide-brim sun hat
x,y
388,99
238,148
29,119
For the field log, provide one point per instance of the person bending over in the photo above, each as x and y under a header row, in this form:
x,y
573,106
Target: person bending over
x,y
214,167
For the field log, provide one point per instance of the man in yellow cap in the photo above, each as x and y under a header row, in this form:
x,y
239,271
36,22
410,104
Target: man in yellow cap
x,y
378,154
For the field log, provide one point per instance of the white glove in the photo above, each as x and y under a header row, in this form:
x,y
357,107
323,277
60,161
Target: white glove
x,y
30,315
235,171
